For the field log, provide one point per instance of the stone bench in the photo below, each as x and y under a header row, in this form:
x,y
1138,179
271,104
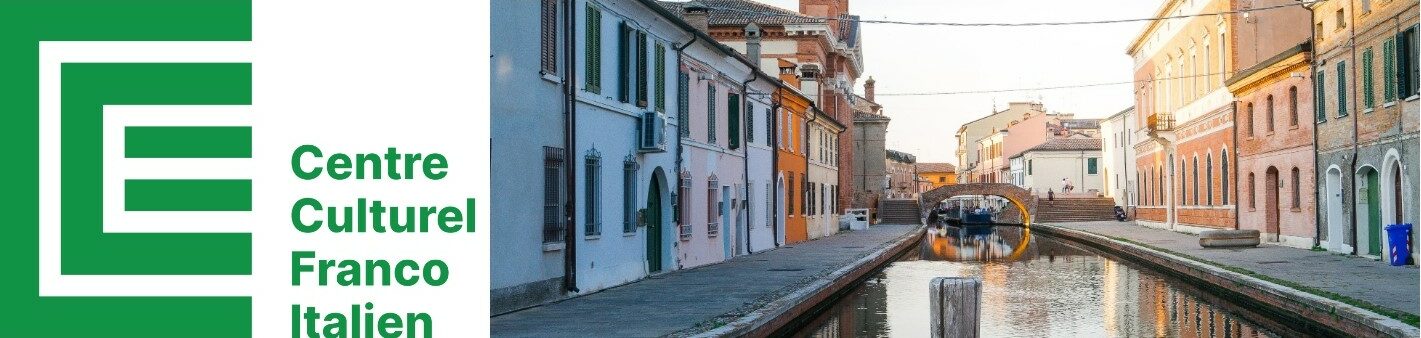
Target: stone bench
x,y
1228,238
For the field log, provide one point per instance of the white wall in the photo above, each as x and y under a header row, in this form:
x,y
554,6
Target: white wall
x,y
1046,168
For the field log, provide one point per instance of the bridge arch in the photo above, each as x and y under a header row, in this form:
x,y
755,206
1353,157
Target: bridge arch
x,y
1021,198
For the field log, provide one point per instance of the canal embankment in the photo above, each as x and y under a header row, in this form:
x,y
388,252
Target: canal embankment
x,y
750,295
1358,296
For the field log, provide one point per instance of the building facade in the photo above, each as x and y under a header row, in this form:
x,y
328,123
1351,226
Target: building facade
x,y
1275,148
901,180
1048,166
1365,114
969,150
822,191
792,163
1118,156
937,174
1180,68
870,135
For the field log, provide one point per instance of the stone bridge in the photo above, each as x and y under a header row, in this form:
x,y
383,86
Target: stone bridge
x,y
1024,201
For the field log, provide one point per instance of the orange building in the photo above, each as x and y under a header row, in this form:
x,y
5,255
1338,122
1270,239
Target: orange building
x,y
938,174
791,165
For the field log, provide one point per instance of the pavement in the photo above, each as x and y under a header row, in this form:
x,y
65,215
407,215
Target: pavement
x,y
1359,278
698,299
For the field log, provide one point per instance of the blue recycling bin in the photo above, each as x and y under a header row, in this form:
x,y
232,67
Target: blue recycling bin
x,y
1398,242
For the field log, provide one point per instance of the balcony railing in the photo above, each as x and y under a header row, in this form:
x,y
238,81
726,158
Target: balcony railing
x,y
1160,122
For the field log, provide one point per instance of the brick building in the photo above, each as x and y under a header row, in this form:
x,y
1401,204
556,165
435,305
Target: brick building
x,y
1366,80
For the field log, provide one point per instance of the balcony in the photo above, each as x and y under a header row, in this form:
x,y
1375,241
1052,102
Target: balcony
x,y
1161,126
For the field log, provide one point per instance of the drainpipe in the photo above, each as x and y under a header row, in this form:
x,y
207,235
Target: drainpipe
x,y
745,176
569,281
774,165
1317,189
1352,44
680,152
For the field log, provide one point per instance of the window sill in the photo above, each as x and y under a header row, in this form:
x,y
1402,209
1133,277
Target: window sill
x,y
1389,104
628,234
1413,98
1296,210
1293,127
551,78
1368,110
547,247
591,237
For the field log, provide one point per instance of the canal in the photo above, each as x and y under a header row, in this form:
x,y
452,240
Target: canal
x,y
1033,286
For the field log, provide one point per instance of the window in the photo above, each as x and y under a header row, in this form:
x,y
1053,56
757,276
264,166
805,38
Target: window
x,y
1159,187
640,69
811,207
1341,88
1320,99
733,105
789,196
660,77
1183,182
713,206
1091,166
629,194
942,179
1410,77
1293,106
1250,119
553,207
593,189
1368,101
1269,120
1341,19
624,61
804,200
1252,193
1209,179
1297,189
749,122
683,103
593,50
780,130
683,206
1389,75
710,113
1224,176
548,37
1028,167
1195,179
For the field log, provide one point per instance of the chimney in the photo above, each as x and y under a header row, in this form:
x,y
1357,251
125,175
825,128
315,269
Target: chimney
x,y
868,89
752,43
697,15
809,82
788,74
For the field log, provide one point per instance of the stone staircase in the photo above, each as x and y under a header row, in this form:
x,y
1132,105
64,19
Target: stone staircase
x,y
899,212
1075,209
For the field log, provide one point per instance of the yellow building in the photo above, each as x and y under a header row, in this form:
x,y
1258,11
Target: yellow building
x,y
938,174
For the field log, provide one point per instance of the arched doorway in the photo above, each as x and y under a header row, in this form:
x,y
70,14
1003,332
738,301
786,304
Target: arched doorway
x,y
1336,222
1270,203
654,223
1369,213
1394,190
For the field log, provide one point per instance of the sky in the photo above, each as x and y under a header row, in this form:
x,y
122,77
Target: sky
x,y
908,59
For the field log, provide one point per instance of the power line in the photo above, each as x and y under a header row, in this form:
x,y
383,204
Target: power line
x,y
1014,24
1086,85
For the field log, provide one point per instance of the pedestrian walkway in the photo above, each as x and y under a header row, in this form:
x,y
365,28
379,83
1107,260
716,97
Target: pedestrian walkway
x,y
702,298
1355,277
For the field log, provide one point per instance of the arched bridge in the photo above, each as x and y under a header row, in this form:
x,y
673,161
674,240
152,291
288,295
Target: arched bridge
x,y
1024,201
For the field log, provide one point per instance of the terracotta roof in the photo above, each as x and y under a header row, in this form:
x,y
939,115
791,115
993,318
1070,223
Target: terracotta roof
x,y
742,12
936,168
1067,144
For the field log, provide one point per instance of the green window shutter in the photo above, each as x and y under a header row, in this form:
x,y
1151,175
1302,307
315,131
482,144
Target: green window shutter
x,y
1320,101
1389,70
1368,99
623,65
733,105
1341,88
660,75
710,113
749,122
593,50
640,51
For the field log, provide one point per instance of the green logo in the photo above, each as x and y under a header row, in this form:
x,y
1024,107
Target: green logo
x,y
128,218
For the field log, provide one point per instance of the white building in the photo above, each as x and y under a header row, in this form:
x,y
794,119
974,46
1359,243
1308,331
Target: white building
x,y
821,192
1118,134
1076,159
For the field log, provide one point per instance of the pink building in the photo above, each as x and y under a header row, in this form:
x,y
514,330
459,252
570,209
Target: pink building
x,y
1275,148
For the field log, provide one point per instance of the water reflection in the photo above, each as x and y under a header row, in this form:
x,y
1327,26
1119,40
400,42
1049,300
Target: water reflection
x,y
1034,286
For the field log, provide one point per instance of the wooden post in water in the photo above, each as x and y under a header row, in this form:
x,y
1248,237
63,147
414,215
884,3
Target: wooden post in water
x,y
955,306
